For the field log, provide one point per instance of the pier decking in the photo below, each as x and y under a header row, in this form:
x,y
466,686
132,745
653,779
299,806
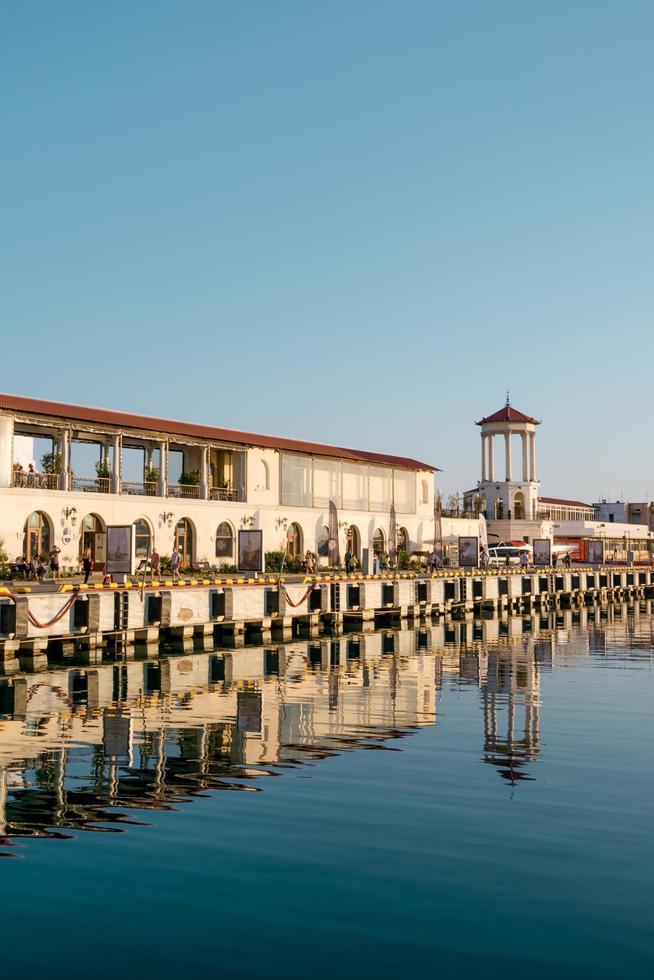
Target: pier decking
x,y
80,622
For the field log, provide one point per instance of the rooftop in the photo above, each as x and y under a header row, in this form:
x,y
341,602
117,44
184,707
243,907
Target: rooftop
x,y
565,503
191,430
508,414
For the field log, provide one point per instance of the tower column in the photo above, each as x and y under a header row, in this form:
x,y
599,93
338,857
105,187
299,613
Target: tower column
x,y
491,456
507,448
526,451
532,455
484,451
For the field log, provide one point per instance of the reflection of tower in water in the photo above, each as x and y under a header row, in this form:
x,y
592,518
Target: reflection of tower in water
x,y
511,699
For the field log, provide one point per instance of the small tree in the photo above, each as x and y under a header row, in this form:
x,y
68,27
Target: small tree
x,y
191,479
51,462
102,469
452,503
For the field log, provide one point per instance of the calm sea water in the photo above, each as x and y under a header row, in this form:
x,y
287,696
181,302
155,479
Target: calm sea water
x,y
455,801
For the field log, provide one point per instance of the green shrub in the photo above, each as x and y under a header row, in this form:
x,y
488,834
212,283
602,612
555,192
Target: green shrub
x,y
51,462
225,566
274,561
102,469
191,479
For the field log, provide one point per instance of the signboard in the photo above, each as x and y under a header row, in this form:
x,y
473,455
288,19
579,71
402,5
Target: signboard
x,y
468,552
250,551
595,552
542,552
119,549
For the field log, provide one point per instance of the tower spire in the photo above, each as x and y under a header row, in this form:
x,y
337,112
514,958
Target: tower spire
x,y
508,397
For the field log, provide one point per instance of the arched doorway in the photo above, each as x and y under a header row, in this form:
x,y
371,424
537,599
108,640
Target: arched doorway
x,y
519,506
142,539
224,541
378,542
36,535
184,541
294,538
93,536
322,542
354,541
403,539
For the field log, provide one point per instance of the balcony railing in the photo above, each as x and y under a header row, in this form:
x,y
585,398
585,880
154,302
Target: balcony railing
x,y
142,488
35,481
224,493
91,484
190,491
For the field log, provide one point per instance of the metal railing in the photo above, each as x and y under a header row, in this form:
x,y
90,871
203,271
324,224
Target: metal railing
x,y
91,484
224,493
35,481
140,488
191,491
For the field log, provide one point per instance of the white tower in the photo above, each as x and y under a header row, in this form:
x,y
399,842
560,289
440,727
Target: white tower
x,y
509,498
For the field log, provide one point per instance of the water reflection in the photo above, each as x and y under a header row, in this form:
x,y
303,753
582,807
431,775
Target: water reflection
x,y
86,748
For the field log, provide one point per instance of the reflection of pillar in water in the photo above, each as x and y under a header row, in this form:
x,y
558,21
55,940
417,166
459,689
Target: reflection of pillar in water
x,y
3,801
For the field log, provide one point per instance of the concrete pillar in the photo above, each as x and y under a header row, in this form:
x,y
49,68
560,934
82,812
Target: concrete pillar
x,y
163,468
204,486
525,456
65,460
532,456
6,450
116,475
507,448
491,456
484,451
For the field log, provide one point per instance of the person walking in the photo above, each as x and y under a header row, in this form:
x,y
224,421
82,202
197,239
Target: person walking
x,y
347,558
87,564
54,561
175,562
524,560
155,562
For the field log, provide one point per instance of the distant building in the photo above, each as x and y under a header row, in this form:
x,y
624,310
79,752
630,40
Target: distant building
x,y
509,497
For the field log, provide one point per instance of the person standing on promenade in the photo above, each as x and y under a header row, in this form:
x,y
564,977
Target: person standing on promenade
x,y
175,562
54,561
347,558
87,564
524,560
155,561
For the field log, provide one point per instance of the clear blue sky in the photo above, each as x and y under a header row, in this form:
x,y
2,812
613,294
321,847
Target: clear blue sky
x,y
357,222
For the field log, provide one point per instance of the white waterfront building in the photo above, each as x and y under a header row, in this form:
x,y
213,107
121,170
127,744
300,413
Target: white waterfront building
x,y
67,472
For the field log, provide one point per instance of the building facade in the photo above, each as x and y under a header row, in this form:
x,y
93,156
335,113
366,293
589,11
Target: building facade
x,y
67,472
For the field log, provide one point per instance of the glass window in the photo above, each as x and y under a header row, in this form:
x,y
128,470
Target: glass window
x,y
296,480
355,486
141,539
322,544
224,541
404,491
326,482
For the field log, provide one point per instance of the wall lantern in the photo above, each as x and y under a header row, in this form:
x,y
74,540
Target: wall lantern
x,y
166,517
69,512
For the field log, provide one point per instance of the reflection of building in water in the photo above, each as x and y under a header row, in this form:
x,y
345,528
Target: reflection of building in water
x,y
148,735
511,700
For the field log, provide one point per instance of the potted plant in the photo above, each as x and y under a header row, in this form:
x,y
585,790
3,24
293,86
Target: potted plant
x,y
191,479
103,470
151,479
51,462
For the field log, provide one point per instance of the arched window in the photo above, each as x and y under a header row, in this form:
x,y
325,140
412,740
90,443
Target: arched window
x,y
499,509
36,535
264,475
224,541
322,544
294,535
354,540
184,541
142,538
519,506
425,492
378,542
403,539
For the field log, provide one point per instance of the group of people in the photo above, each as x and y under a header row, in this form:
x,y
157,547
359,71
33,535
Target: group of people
x,y
38,566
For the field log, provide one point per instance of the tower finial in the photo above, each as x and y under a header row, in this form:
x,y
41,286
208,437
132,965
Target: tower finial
x,y
508,399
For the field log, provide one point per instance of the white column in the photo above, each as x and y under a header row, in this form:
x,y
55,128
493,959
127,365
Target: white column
x,y
64,476
525,456
507,448
163,468
532,455
484,451
204,490
116,472
491,456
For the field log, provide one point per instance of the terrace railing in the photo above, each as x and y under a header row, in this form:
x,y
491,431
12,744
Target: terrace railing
x,y
91,484
140,488
35,481
224,493
190,491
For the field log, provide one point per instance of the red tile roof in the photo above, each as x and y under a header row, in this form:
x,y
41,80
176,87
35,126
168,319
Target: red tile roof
x,y
124,420
565,503
508,414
